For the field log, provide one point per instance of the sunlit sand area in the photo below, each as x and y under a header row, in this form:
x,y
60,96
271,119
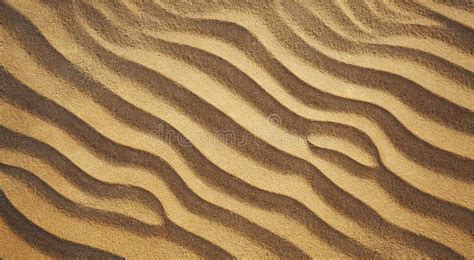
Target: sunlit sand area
x,y
241,129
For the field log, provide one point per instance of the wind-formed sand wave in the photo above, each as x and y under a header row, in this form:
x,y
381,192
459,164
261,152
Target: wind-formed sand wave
x,y
234,129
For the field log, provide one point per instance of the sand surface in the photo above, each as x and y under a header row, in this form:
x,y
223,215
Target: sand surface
x,y
237,129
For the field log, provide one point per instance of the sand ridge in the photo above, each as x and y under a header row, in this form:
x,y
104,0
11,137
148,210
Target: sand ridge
x,y
237,129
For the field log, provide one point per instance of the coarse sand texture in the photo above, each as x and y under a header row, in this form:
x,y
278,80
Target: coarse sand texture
x,y
248,129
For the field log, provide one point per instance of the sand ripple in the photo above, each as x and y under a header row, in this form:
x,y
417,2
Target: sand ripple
x,y
235,129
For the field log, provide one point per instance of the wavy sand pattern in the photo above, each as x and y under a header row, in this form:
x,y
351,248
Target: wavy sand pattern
x,y
237,129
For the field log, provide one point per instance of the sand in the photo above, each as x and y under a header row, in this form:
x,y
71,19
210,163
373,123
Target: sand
x,y
237,129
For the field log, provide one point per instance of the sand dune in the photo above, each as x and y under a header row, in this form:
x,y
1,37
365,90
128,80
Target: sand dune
x,y
237,129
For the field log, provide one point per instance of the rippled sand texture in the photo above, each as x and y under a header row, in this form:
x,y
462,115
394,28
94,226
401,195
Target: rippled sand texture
x,y
248,129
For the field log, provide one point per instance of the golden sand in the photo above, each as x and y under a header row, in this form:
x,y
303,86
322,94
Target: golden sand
x,y
237,129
